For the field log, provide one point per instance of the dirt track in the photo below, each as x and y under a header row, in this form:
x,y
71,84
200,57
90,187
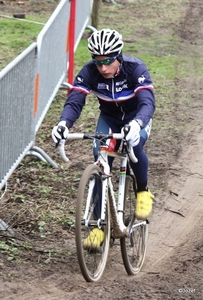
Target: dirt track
x,y
174,262
173,267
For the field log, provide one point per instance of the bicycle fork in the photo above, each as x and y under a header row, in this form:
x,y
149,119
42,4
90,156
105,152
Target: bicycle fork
x,y
117,211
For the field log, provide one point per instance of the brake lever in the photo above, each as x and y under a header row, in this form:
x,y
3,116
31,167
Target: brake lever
x,y
126,130
60,131
56,145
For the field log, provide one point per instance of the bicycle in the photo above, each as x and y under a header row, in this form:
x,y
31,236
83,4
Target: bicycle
x,y
97,207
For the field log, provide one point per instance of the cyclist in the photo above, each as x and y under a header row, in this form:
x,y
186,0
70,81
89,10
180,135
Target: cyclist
x,y
125,93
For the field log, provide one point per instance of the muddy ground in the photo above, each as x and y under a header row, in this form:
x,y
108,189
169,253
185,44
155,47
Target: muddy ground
x,y
41,263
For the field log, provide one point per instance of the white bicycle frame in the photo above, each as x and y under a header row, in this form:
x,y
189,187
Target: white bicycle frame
x,y
107,183
107,186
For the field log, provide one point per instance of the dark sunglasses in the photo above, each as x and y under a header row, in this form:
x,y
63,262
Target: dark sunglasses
x,y
105,62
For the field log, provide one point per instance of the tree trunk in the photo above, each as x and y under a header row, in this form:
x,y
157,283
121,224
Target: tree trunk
x,y
95,13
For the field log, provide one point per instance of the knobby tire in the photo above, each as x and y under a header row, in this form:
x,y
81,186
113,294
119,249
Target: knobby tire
x,y
133,247
92,262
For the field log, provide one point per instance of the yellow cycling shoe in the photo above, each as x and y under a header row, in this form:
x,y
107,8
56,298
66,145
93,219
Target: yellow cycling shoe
x,y
94,239
143,205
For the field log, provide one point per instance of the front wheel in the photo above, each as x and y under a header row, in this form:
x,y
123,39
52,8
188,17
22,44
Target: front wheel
x,y
92,260
133,247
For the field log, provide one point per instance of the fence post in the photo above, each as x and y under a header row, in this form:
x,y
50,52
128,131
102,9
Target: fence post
x,y
71,41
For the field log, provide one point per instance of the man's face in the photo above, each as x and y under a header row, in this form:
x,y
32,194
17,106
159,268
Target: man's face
x,y
107,66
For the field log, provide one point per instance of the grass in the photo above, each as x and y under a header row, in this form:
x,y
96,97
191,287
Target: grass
x,y
17,35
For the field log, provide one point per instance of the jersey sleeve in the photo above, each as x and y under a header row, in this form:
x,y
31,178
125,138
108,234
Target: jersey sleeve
x,y
144,91
76,98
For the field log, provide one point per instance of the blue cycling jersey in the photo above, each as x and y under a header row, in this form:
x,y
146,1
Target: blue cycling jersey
x,y
128,95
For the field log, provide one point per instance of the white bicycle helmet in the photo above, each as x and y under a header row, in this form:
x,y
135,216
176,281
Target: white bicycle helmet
x,y
105,42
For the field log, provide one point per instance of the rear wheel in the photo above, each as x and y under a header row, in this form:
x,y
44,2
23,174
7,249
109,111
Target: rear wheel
x,y
133,247
88,209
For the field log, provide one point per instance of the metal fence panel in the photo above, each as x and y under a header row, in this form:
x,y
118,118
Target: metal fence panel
x,y
52,58
83,13
16,109
47,61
